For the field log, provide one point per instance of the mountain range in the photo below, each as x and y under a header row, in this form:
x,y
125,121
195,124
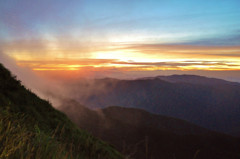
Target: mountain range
x,y
207,102
139,134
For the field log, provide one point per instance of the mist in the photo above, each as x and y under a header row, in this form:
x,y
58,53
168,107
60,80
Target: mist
x,y
56,91
44,88
93,89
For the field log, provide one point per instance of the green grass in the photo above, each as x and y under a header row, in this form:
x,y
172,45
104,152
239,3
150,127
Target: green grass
x,y
31,128
17,141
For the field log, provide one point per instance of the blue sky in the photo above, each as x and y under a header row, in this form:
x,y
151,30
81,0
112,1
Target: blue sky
x,y
154,21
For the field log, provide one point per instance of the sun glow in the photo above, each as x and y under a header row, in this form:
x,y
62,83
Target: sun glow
x,y
130,57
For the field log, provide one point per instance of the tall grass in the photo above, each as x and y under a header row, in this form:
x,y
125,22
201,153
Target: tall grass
x,y
20,140
17,141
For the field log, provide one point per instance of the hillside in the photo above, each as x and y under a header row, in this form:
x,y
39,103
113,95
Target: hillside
x,y
140,135
31,128
207,102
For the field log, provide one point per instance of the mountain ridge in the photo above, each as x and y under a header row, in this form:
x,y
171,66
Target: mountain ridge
x,y
213,105
131,129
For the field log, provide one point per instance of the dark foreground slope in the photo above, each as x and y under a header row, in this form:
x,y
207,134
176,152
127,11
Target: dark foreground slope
x,y
207,102
140,135
31,128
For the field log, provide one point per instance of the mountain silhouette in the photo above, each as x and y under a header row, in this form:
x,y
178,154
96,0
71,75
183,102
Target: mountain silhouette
x,y
139,134
208,102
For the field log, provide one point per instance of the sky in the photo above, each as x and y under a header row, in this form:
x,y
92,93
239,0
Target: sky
x,y
122,37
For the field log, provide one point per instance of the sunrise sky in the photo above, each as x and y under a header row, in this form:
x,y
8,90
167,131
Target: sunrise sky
x,y
141,36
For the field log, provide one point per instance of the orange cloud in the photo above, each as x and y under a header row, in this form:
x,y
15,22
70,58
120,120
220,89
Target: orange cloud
x,y
72,55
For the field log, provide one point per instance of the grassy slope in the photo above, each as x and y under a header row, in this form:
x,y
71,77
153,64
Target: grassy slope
x,y
31,128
